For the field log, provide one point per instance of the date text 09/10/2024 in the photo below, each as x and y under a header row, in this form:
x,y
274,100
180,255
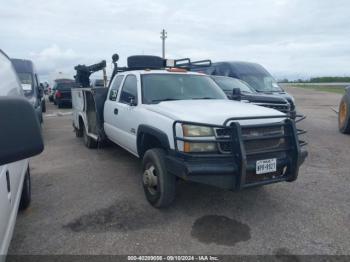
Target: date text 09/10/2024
x,y
173,258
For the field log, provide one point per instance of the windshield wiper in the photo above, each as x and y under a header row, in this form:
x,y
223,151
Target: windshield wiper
x,y
203,98
165,99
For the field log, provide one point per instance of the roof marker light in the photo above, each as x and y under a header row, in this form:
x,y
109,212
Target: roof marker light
x,y
177,70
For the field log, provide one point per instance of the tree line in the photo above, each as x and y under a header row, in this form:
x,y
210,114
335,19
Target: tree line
x,y
323,79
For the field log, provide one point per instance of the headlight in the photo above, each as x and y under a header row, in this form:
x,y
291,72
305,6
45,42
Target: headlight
x,y
193,130
198,131
192,147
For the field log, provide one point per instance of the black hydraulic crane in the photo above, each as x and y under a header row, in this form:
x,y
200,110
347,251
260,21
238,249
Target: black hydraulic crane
x,y
83,73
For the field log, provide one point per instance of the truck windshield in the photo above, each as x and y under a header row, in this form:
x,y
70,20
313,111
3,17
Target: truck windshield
x,y
165,87
27,82
228,83
261,83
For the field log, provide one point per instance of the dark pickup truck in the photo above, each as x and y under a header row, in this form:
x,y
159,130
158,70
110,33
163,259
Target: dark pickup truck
x,y
63,94
254,74
237,89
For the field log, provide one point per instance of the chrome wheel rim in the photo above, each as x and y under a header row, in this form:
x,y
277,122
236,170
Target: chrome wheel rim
x,y
150,179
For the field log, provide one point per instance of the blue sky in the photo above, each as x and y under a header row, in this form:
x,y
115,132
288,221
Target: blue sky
x,y
291,38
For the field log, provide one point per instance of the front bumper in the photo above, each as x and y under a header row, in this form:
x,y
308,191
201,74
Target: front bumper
x,y
238,170
226,173
64,100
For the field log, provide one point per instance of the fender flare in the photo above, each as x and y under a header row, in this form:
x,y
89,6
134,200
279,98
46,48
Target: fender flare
x,y
153,131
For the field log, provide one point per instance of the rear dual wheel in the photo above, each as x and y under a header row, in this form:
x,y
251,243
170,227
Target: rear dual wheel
x,y
344,115
88,141
78,132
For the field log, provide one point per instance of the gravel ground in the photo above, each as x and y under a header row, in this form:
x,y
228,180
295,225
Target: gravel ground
x,y
91,201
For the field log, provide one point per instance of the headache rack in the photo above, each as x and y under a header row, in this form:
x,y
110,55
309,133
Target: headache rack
x,y
245,144
186,63
136,62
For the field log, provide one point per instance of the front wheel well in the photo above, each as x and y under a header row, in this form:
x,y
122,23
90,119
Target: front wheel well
x,y
147,141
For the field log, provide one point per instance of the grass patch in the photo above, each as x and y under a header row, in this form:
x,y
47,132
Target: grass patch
x,y
323,88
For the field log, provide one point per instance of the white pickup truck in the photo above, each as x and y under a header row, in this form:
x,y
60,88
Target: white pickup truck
x,y
182,125
20,138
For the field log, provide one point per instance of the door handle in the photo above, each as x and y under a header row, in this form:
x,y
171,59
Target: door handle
x,y
116,111
8,181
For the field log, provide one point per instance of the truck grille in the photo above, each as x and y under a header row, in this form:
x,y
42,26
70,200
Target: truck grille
x,y
251,144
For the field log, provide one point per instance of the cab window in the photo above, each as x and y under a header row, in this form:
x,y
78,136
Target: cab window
x,y
129,91
115,87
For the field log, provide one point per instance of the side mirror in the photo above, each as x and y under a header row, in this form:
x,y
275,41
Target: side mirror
x,y
236,94
20,134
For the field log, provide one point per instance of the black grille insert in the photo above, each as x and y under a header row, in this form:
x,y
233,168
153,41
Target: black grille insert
x,y
284,108
256,139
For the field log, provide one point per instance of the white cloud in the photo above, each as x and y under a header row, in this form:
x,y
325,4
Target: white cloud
x,y
291,37
53,59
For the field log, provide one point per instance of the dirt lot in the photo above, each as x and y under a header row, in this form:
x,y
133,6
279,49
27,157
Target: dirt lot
x,y
91,201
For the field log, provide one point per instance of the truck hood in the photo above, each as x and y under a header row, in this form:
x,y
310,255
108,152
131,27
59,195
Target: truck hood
x,y
284,95
212,111
262,98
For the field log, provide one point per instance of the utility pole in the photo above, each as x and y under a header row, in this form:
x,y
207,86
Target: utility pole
x,y
163,36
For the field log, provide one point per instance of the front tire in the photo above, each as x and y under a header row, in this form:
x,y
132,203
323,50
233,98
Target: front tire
x,y
158,184
344,115
26,196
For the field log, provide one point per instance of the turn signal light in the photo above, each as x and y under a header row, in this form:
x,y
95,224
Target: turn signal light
x,y
192,147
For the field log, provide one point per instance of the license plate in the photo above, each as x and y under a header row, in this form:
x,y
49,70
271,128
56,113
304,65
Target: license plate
x,y
266,166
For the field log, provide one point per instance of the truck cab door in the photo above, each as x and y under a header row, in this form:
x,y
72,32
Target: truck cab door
x,y
110,118
124,121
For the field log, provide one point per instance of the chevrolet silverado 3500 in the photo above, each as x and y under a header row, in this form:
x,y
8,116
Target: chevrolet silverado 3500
x,y
182,125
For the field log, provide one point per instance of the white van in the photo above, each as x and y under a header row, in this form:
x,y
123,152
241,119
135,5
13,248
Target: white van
x,y
20,138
